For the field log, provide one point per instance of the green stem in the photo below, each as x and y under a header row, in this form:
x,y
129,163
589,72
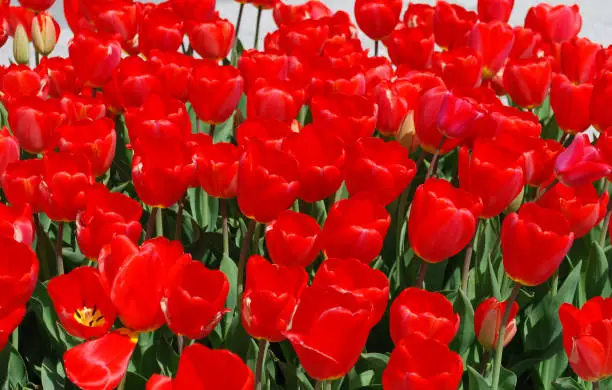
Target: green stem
x,y
468,260
546,368
179,220
319,385
485,359
211,131
180,343
244,251
376,43
159,223
44,274
499,350
605,225
434,160
259,9
225,228
422,273
151,223
59,240
239,21
261,359
16,338
548,187
36,57
595,385
123,382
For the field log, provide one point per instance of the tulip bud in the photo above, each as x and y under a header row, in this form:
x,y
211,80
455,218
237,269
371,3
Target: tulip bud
x,y
21,45
406,134
44,33
487,322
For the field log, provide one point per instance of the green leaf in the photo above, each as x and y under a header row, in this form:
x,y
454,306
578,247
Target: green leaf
x,y
465,336
135,381
52,375
507,380
13,371
567,384
597,278
552,368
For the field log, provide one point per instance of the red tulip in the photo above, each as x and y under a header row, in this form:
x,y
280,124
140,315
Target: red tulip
x,y
61,76
488,319
65,181
329,330
376,69
37,5
159,382
270,297
340,77
421,16
217,168
601,116
534,242
271,132
96,140
442,220
194,297
459,68
133,81
9,149
215,91
493,173
410,46
320,157
585,338
9,321
19,267
452,24
194,10
21,183
82,303
16,222
493,41
106,214
137,299
513,121
492,10
201,368
102,363
411,361
571,104
19,81
158,118
527,42
355,228
291,14
303,39
254,64
174,72
377,18
212,39
35,123
556,23
292,239
78,108
579,60
267,181
527,81
123,18
351,275
395,100
581,163
161,29
349,117
582,206
379,170
94,57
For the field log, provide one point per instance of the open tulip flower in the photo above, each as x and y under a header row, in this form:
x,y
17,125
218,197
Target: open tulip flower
x,y
391,195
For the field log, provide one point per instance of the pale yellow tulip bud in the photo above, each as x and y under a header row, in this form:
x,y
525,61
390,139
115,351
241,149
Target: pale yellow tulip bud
x,y
21,45
44,33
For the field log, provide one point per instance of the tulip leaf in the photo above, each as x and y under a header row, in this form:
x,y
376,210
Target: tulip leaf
x,y
544,112
597,281
552,368
507,380
52,375
13,371
229,268
135,381
551,130
567,384
465,335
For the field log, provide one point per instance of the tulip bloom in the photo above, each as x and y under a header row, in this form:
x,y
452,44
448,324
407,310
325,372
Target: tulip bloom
x,y
355,228
158,118
194,297
493,173
201,368
349,117
82,303
19,81
101,363
267,181
581,163
320,157
452,24
395,99
291,14
9,149
106,214
410,46
351,275
9,321
162,29
215,91
571,104
329,330
579,60
487,322
493,41
132,82
492,10
18,277
270,297
421,16
35,123
61,76
37,5
275,99
292,239
16,222
254,65
94,57
160,171
137,299
527,81
174,72
21,183
459,68
411,362
212,39
556,23
271,132
442,220
534,242
96,140
377,18
217,168
121,18
79,108
65,181
379,170
585,338
304,38
601,116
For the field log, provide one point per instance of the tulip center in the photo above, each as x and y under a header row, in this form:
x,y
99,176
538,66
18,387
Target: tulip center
x,y
90,317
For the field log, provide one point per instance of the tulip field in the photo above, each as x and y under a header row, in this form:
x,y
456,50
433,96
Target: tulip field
x,y
183,210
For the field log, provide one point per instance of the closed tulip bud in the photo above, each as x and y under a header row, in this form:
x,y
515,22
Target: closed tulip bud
x,y
586,338
21,45
487,322
406,135
581,163
411,362
45,32
292,239
534,241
